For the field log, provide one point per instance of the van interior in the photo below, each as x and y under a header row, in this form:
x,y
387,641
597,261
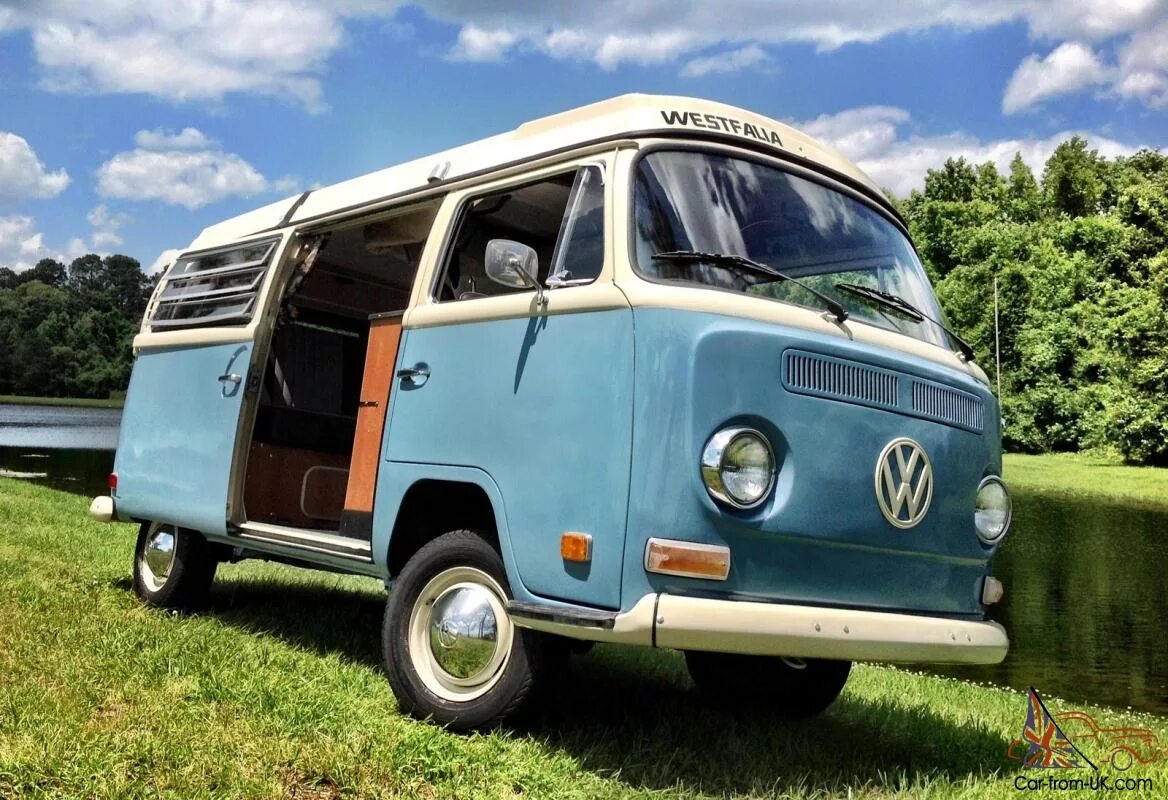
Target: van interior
x,y
304,432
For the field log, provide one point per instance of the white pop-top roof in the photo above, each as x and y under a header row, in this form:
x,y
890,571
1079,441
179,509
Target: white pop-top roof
x,y
628,115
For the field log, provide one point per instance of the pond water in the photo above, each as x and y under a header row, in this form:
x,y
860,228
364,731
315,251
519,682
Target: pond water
x,y
1086,601
66,448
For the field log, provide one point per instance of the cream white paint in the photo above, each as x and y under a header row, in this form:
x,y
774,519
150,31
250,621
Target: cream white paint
x,y
773,629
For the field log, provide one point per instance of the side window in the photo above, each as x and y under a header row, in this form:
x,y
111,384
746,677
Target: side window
x,y
561,218
217,287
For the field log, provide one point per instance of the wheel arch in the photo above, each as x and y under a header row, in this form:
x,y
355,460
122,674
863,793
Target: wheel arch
x,y
426,501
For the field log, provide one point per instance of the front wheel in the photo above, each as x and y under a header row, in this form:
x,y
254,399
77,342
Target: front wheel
x,y
451,651
173,567
792,687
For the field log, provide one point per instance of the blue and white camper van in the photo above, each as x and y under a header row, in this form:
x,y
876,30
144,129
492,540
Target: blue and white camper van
x,y
656,371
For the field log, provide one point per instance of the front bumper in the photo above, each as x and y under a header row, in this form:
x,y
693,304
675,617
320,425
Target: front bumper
x,y
773,629
727,626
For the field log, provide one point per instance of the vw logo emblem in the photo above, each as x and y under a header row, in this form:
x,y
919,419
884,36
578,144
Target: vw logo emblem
x,y
904,482
447,634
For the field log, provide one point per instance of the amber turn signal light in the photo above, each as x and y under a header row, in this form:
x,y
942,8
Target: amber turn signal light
x,y
687,559
576,547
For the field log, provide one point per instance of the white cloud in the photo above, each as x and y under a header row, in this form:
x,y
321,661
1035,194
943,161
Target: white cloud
x,y
1094,20
193,50
202,50
1070,67
1143,66
22,245
730,61
173,170
20,242
22,175
178,177
186,139
106,227
163,261
476,44
871,136
647,48
611,33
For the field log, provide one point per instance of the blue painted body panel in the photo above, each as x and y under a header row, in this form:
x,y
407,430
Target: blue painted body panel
x,y
820,538
543,406
177,435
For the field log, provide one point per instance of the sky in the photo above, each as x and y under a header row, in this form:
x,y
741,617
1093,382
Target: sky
x,y
127,126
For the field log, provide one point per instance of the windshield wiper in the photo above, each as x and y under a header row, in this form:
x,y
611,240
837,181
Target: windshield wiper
x,y
900,305
757,267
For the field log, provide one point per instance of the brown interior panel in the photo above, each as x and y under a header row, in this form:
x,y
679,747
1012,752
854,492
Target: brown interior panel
x,y
380,360
285,485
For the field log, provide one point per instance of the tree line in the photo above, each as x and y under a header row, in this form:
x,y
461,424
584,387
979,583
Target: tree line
x,y
1079,255
66,331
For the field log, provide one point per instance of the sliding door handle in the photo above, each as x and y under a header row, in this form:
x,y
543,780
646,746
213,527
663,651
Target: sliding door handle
x,y
417,374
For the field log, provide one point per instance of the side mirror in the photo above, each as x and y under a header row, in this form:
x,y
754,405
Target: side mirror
x,y
513,264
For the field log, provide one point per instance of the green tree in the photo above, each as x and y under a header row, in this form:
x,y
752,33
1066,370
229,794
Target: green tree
x,y
956,182
1075,178
1023,199
67,332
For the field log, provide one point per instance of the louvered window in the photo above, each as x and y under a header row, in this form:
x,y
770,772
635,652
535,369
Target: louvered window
x,y
215,287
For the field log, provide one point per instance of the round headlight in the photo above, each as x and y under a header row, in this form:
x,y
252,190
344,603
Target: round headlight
x,y
738,467
992,510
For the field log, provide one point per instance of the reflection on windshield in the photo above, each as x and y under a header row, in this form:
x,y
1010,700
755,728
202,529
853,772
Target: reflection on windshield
x,y
712,203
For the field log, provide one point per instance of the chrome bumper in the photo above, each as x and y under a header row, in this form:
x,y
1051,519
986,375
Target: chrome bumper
x,y
732,626
102,509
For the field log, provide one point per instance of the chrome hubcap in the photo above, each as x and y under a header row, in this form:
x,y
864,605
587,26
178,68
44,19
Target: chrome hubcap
x,y
460,635
464,633
158,556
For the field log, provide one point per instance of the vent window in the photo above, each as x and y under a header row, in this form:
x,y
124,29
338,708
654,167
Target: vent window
x,y
217,287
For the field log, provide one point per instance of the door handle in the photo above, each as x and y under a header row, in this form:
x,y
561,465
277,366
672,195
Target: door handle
x,y
412,374
231,377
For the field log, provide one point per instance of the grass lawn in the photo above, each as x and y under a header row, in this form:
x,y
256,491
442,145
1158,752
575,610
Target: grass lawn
x,y
86,402
1087,476
277,690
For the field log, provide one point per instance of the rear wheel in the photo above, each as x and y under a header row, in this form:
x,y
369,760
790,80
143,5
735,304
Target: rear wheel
x,y
451,651
793,687
173,567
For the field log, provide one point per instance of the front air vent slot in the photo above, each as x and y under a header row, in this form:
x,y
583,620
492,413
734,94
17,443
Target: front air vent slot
x,y
852,382
947,405
837,379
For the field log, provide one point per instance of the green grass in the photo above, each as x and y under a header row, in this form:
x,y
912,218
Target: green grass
x,y
85,402
1087,476
277,690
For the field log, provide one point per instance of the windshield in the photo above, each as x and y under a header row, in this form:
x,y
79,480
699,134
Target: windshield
x,y
697,201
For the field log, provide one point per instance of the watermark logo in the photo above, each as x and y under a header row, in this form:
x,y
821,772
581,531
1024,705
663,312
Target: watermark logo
x,y
1047,747
1061,742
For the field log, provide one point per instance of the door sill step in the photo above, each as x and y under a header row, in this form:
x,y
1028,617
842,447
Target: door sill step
x,y
307,539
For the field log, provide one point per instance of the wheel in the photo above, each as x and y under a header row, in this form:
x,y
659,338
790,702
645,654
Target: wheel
x,y
451,651
1122,758
793,687
173,567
